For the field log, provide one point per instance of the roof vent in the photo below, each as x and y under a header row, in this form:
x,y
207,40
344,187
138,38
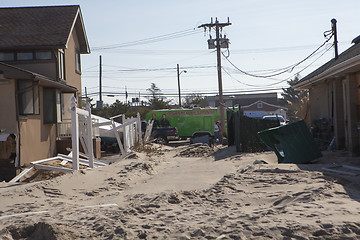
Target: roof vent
x,y
356,40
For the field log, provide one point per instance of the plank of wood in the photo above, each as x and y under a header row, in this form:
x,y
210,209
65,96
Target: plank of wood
x,y
20,175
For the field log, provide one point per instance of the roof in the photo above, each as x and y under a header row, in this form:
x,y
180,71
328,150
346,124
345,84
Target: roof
x,y
12,72
347,60
41,27
265,106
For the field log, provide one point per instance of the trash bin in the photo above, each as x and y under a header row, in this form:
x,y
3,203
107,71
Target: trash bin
x,y
295,140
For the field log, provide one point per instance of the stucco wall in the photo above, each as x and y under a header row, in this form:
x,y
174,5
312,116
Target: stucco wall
x,y
7,106
44,67
37,140
72,77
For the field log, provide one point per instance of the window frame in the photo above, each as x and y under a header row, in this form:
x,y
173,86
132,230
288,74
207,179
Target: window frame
x,y
54,103
35,97
77,61
61,64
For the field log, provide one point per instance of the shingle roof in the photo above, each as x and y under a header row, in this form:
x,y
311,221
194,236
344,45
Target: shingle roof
x,y
36,27
13,72
351,52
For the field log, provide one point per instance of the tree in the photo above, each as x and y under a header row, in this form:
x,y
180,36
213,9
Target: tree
x,y
194,99
296,101
114,109
156,98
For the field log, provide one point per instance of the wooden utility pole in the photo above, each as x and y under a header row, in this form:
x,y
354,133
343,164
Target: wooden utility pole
x,y
100,80
218,26
178,77
334,31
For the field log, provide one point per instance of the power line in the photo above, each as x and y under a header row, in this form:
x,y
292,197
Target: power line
x,y
164,37
280,81
174,94
282,70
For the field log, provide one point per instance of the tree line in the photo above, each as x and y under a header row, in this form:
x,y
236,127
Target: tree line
x,y
295,100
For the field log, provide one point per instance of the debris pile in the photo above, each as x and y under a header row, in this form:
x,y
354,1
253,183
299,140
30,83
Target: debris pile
x,y
196,150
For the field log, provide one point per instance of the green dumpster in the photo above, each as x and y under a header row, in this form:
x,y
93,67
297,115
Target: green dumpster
x,y
294,139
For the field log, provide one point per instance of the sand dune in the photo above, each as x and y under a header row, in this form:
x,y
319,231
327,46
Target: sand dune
x,y
188,192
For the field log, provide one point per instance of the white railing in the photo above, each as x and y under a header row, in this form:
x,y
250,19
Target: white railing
x,y
64,128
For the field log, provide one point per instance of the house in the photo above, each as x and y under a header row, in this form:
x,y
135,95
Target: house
x,y
40,70
242,99
260,108
335,99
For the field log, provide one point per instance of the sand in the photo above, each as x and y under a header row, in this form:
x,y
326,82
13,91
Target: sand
x,y
188,192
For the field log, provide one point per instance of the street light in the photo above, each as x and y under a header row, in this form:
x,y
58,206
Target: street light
x,y
178,75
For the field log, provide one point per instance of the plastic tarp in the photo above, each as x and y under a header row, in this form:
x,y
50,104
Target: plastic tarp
x,y
294,140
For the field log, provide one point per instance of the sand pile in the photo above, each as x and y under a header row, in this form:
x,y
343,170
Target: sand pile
x,y
223,195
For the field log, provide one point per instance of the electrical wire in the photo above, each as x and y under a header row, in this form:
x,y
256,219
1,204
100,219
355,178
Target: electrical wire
x,y
164,37
281,81
288,69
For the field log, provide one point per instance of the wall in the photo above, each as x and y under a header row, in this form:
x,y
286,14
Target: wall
x,y
37,140
319,101
7,106
44,67
72,77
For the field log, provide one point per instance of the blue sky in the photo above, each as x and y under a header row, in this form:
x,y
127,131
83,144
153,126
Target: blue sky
x,y
264,35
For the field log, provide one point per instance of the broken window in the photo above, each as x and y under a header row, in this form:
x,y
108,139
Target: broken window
x,y
28,97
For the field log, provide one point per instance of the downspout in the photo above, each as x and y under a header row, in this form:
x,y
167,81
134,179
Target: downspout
x,y
17,161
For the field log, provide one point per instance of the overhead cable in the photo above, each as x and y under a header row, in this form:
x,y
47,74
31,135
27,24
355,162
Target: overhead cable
x,y
150,40
288,69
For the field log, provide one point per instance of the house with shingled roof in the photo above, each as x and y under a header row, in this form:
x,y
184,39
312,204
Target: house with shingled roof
x,y
334,92
40,70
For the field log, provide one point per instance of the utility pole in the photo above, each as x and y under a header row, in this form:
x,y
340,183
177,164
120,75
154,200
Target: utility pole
x,y
219,42
178,77
100,80
99,104
334,32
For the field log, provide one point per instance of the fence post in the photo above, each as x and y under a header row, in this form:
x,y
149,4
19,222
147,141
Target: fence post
x,y
139,129
90,137
125,135
74,134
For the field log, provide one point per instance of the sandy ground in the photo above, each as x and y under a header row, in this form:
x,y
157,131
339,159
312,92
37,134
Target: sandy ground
x,y
189,192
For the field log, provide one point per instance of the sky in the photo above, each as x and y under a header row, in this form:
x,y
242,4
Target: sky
x,y
142,41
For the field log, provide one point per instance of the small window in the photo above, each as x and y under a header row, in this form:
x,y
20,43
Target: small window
x,y
61,65
259,105
43,55
7,56
24,56
28,97
77,62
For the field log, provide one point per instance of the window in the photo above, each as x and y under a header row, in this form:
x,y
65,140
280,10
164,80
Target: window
x,y
24,56
7,56
259,105
28,97
61,65
43,55
52,107
77,62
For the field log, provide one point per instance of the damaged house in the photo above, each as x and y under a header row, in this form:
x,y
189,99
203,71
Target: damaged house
x,y
334,91
40,70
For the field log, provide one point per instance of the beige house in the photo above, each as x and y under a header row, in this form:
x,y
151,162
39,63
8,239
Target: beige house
x,y
40,70
334,91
